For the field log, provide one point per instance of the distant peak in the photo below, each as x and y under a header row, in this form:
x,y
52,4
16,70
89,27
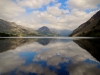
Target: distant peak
x,y
44,27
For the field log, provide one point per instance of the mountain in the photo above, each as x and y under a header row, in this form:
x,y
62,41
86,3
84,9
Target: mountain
x,y
64,32
90,28
45,31
12,29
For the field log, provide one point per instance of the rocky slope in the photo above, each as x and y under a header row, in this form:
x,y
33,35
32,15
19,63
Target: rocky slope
x,y
90,28
12,29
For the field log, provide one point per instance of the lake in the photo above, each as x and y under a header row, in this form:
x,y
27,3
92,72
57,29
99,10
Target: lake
x,y
49,56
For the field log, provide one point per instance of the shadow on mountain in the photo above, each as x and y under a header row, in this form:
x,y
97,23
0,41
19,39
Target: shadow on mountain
x,y
91,45
9,44
44,41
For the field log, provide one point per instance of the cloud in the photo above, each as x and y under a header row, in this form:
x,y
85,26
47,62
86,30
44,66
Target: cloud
x,y
33,3
54,10
58,18
83,4
10,10
38,18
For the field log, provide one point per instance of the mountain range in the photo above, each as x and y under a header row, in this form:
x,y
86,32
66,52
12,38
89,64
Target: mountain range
x,y
91,28
12,29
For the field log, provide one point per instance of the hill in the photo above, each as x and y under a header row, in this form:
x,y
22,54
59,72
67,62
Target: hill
x,y
13,29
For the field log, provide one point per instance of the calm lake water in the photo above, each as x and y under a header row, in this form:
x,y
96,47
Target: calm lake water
x,y
49,56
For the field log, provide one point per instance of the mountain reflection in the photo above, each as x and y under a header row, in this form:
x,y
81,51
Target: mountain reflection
x,y
91,45
44,41
9,44
49,57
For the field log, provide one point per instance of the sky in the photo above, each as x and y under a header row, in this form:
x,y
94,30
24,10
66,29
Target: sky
x,y
57,14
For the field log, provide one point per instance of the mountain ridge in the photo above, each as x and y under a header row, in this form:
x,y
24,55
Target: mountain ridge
x,y
90,28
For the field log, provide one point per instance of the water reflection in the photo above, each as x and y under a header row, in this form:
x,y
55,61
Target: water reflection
x,y
8,44
44,41
91,45
45,57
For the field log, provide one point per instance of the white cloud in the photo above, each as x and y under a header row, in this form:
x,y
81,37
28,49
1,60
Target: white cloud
x,y
83,4
33,3
9,10
49,18
54,10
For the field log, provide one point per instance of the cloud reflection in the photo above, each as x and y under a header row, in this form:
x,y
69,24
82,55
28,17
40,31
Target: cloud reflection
x,y
83,68
61,56
9,61
35,68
